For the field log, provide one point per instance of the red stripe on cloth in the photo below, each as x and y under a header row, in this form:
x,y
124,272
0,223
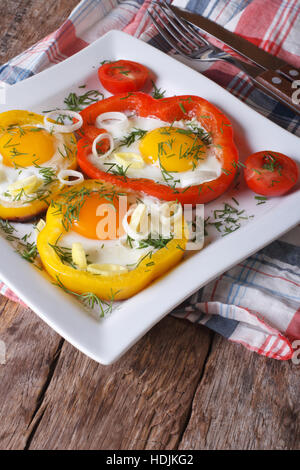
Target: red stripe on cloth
x,y
245,85
220,13
289,57
221,73
262,349
286,357
256,19
269,43
215,287
287,20
273,347
286,343
269,275
56,52
132,27
276,51
67,41
10,294
293,329
280,351
273,332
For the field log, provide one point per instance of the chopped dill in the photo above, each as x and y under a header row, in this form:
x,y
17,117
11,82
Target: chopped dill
x,y
157,93
76,102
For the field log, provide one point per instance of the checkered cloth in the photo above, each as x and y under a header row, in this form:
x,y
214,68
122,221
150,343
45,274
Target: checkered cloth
x,y
256,303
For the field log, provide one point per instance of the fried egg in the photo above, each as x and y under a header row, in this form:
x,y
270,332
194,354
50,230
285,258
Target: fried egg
x,y
177,154
113,236
31,158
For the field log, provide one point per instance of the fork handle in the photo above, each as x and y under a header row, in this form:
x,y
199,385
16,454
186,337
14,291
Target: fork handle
x,y
289,71
278,87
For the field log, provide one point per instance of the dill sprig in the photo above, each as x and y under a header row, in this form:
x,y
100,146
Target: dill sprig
x,y
25,249
76,102
271,163
8,229
70,203
90,299
200,133
260,199
228,219
28,251
157,243
47,173
116,169
157,93
71,206
64,254
169,179
136,134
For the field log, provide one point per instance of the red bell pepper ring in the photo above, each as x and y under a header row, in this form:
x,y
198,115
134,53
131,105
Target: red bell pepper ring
x,y
168,110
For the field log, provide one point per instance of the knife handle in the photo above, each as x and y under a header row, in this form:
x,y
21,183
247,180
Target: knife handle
x,y
289,71
278,87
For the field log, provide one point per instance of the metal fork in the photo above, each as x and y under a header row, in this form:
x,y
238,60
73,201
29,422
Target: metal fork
x,y
187,41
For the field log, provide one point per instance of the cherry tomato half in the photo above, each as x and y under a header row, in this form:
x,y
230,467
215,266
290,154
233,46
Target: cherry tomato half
x,y
270,173
123,76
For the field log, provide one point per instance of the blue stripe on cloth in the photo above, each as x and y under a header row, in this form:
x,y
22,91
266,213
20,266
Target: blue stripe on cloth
x,y
200,317
223,326
79,16
283,115
12,74
239,8
251,275
197,6
78,12
271,264
266,289
212,8
238,285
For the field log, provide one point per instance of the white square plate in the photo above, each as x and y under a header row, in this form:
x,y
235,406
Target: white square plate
x,y
107,339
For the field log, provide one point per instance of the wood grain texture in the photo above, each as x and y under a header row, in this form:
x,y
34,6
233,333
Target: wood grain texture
x,y
31,347
24,22
253,404
141,402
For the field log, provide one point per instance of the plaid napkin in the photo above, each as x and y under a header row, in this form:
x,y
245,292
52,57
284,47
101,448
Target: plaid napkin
x,y
256,303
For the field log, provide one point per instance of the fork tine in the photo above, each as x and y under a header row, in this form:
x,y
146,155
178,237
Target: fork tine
x,y
167,25
176,25
168,37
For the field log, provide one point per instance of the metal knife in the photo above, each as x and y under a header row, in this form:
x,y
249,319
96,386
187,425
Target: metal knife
x,y
273,75
240,45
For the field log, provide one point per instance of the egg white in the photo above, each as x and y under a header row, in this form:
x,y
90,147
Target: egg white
x,y
9,175
105,251
206,170
117,251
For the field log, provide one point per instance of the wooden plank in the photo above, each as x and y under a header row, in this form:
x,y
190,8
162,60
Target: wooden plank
x,y
31,347
244,401
23,23
140,402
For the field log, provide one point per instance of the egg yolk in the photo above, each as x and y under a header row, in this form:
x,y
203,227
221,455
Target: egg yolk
x,y
24,146
99,218
174,149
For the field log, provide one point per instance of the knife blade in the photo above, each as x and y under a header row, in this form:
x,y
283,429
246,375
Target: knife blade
x,y
239,44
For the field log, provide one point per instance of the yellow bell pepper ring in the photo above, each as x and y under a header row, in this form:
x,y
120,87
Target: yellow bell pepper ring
x,y
27,146
104,280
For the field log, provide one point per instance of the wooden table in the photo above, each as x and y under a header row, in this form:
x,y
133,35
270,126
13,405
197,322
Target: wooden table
x,y
179,387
